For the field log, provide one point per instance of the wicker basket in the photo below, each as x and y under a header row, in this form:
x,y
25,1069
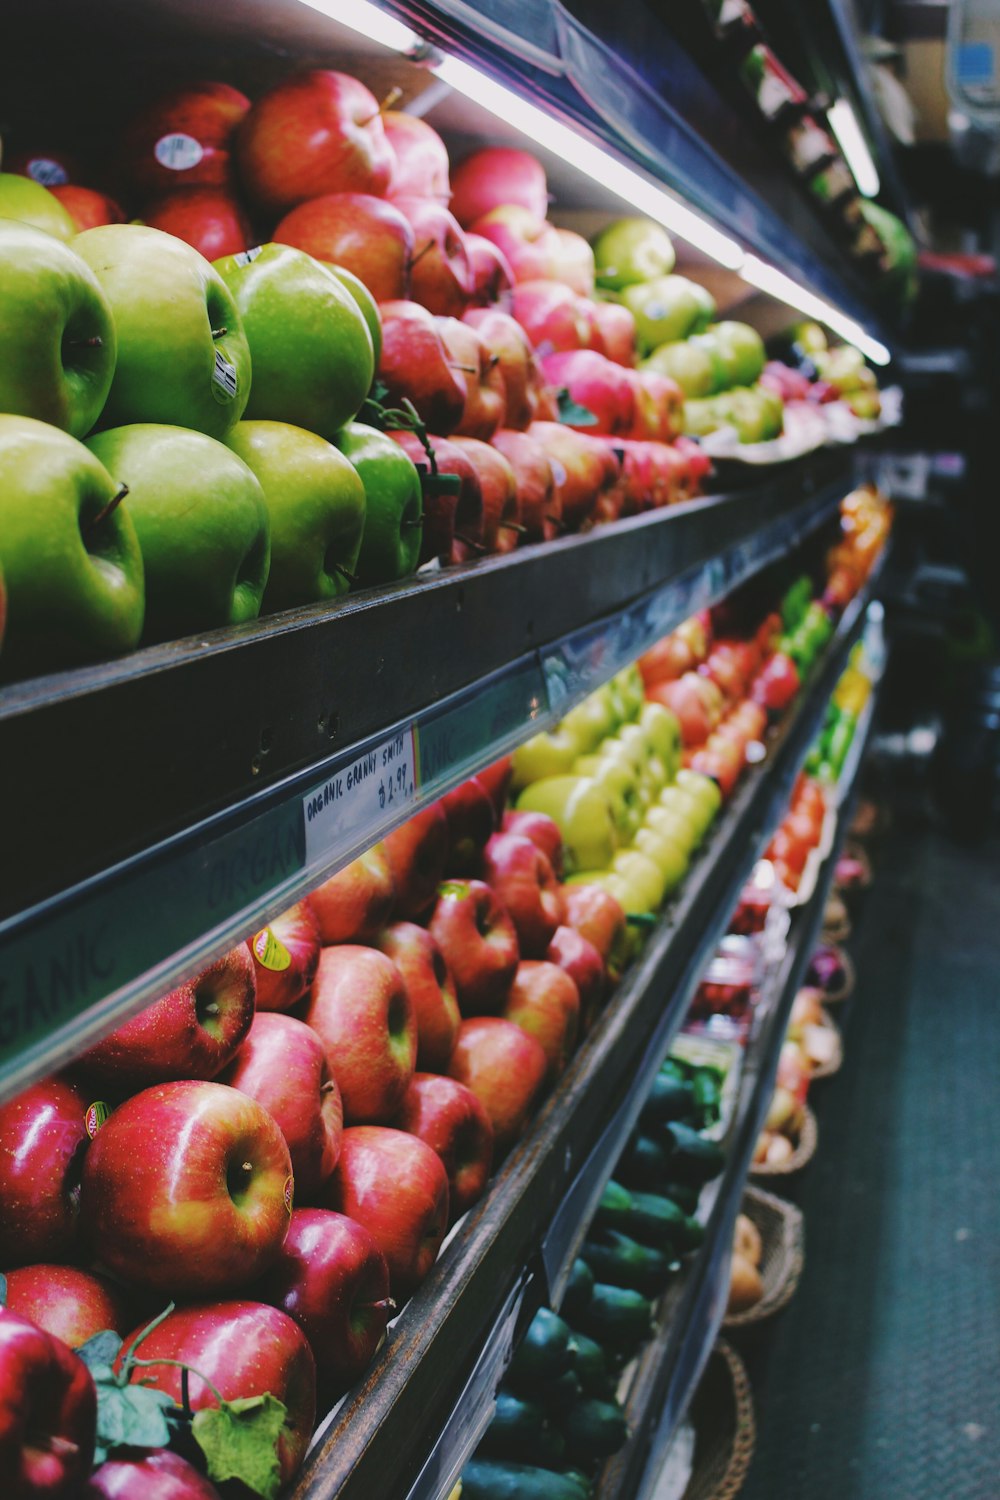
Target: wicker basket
x,y
803,1154
722,1416
782,1232
827,1070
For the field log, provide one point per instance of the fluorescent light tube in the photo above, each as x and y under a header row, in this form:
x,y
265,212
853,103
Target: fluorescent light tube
x,y
844,124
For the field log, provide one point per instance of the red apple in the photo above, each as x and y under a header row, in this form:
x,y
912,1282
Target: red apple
x,y
360,1010
495,779
88,209
355,903
187,1189
525,883
545,1003
492,277
446,514
429,988
314,133
363,234
284,1066
577,957
183,139
416,365
578,465
486,399
616,327
192,1032
421,158
495,176
48,1413
73,1305
596,915
595,383
332,1278
397,1188
552,315
440,274
245,1349
529,244
479,944
471,822
148,1474
510,346
43,1139
505,1068
417,852
449,1118
544,833
285,955
574,262
536,489
499,490
210,219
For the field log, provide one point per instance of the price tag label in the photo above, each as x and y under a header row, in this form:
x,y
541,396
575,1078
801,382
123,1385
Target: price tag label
x,y
361,795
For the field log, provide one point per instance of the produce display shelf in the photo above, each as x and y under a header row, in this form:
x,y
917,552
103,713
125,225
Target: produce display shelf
x,y
214,780
432,1386
669,1368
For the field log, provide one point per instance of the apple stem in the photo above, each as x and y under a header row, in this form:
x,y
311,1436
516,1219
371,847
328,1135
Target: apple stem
x,y
345,573
470,542
107,510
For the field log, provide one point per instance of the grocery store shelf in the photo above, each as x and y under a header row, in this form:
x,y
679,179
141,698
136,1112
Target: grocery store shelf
x,y
213,781
669,1368
415,1393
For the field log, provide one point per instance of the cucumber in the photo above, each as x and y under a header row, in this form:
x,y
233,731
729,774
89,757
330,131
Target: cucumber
x,y
595,1429
693,1159
656,1221
619,1261
643,1163
521,1430
578,1289
563,1393
668,1099
614,1207
488,1479
617,1317
542,1355
590,1365
683,1194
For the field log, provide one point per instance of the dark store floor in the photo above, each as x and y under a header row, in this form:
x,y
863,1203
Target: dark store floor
x,y
881,1381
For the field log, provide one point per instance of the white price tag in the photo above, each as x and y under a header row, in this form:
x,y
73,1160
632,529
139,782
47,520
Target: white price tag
x,y
366,793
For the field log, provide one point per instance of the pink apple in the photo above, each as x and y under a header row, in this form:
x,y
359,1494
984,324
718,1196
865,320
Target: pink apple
x,y
525,883
72,1304
492,277
333,1280
553,316
446,515
43,1140
362,233
210,219
187,1189
148,1474
595,383
616,327
88,209
429,988
545,1002
529,245
471,822
421,158
396,1187
479,943
486,399
440,274
360,1010
284,1066
314,133
192,1032
543,832
499,490
506,1070
578,958
510,347
574,262
416,365
285,955
536,488
183,139
355,903
245,1349
449,1118
596,915
495,176
417,852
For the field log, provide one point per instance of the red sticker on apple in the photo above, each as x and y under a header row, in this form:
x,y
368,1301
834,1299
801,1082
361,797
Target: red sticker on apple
x,y
178,152
270,952
95,1117
289,1191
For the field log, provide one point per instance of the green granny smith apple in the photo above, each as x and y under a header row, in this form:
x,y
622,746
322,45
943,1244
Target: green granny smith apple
x,y
630,251
665,309
366,303
201,519
24,199
68,552
57,339
310,347
394,504
182,353
582,810
316,506
688,363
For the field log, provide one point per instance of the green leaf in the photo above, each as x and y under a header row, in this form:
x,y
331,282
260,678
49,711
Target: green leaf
x,y
239,1440
571,411
100,1351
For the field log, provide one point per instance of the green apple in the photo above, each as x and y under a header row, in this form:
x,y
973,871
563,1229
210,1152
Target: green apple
x,y
24,199
591,721
665,309
582,810
367,305
201,519
632,250
663,732
68,552
316,508
646,882
56,332
183,357
675,823
669,857
620,783
688,363
394,504
741,349
310,347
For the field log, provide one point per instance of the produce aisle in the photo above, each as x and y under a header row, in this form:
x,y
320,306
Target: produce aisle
x,y
880,1379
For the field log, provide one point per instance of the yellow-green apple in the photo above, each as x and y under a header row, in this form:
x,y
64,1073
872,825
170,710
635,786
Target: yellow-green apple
x,y
79,596
353,905
315,132
525,884
510,346
552,315
182,139
416,365
333,1280
440,273
574,265
666,852
632,250
495,176
471,817
360,1010
201,518
392,535
364,235
579,468
496,781
421,158
283,1064
182,354
582,809
594,382
86,207
366,304
312,353
545,1002
187,1189
43,1140
491,276
27,202
58,335
417,852
285,955
506,1070
244,1349
429,988
485,400
450,1119
616,328
570,951
441,502
529,244
396,1187
541,830
48,1412
498,485
67,1302
536,489
597,916
192,1032
209,219
316,508
479,944
152,1473
665,308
